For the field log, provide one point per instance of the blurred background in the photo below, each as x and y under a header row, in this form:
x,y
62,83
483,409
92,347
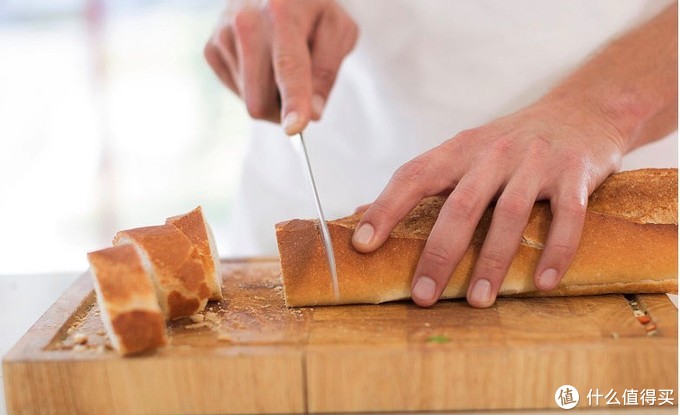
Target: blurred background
x,y
109,119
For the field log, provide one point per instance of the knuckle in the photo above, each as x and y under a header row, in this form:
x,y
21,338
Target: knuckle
x,y
345,26
412,172
492,261
562,250
244,21
467,134
379,211
573,210
277,10
501,146
573,159
463,205
256,109
465,137
539,148
223,38
286,63
324,75
437,255
512,206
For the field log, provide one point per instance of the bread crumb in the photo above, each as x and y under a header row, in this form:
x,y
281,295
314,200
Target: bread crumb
x,y
196,325
197,318
225,337
80,338
212,317
101,332
615,335
79,348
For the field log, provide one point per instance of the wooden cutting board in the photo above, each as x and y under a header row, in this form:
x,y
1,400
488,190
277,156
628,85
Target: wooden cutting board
x,y
251,354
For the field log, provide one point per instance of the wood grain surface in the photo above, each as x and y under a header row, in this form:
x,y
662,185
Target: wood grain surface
x,y
251,354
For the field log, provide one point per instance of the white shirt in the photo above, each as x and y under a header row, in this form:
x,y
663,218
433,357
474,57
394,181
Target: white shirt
x,y
421,72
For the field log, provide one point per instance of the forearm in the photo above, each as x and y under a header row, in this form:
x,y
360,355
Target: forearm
x,y
632,82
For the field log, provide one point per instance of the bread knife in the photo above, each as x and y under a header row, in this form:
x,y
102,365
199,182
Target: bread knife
x,y
301,149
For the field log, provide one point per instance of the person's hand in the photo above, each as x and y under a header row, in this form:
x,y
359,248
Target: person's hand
x,y
282,57
558,151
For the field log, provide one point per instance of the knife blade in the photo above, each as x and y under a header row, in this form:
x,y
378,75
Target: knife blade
x,y
301,150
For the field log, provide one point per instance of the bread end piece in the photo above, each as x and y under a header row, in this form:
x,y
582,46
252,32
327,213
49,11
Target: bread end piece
x,y
129,309
195,226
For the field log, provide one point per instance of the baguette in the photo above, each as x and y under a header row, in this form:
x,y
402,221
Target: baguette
x,y
129,310
176,268
195,227
629,245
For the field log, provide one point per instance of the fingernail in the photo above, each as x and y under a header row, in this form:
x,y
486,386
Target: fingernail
x,y
291,124
424,289
480,293
548,279
364,234
318,104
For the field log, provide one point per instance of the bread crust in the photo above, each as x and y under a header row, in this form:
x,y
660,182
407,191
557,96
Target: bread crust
x,y
176,268
196,228
629,245
127,298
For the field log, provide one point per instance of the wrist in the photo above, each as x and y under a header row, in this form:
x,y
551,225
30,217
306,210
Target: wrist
x,y
622,111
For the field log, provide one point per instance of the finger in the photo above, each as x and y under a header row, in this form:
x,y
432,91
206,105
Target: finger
x,y
292,68
334,38
420,177
223,41
255,66
510,217
564,235
214,59
451,235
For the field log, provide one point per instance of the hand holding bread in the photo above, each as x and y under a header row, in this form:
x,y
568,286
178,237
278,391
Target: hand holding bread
x,y
536,154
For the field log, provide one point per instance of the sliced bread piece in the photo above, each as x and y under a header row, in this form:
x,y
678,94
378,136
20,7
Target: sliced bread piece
x,y
176,268
194,225
127,299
